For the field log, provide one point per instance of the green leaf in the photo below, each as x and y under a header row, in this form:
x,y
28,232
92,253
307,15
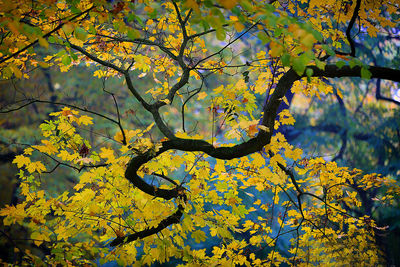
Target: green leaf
x,y
75,10
131,17
320,64
28,29
240,210
92,29
235,10
270,8
309,72
7,72
272,20
205,25
52,39
263,37
208,3
66,60
80,34
133,34
300,63
365,73
221,34
43,42
278,32
318,36
117,25
328,50
285,58
61,53
354,62
340,64
247,5
73,55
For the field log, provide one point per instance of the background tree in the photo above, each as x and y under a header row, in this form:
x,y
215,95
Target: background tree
x,y
203,152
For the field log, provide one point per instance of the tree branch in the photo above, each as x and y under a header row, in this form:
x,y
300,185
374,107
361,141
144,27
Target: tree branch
x,y
98,60
44,36
142,41
172,219
348,30
378,95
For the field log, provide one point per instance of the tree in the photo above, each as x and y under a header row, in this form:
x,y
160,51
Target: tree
x,y
216,79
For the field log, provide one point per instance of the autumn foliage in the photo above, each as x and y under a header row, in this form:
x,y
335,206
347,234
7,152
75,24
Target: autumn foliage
x,y
214,165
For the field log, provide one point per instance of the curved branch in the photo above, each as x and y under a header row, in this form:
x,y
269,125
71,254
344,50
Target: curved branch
x,y
172,219
96,59
350,26
181,21
348,31
135,92
131,174
379,96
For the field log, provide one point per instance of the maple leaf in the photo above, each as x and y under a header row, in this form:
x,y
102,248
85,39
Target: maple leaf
x,y
21,160
252,130
201,95
85,120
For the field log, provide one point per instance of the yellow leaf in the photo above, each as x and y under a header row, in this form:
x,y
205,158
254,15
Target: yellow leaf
x,y
149,127
143,74
286,118
61,5
220,166
255,240
36,166
21,160
28,151
44,65
107,153
264,128
308,40
166,101
293,154
37,238
85,120
48,147
258,160
201,95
